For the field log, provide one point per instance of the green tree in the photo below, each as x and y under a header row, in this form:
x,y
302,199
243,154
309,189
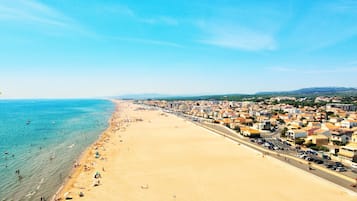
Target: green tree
x,y
338,143
299,141
283,132
281,121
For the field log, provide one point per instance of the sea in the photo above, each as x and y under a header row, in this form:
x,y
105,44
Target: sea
x,y
41,139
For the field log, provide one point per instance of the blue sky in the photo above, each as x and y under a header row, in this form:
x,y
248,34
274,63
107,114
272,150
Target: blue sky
x,y
73,48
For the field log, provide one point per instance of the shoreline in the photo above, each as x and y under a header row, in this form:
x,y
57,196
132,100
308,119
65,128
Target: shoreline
x,y
76,171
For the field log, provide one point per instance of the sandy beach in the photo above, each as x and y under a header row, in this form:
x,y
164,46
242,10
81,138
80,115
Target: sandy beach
x,y
153,156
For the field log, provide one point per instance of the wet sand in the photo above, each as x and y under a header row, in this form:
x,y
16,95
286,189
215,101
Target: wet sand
x,y
152,156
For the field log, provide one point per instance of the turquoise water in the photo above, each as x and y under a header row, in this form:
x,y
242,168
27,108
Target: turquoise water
x,y
42,139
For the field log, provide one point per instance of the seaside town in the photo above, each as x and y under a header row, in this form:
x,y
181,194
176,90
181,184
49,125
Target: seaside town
x,y
319,135
326,127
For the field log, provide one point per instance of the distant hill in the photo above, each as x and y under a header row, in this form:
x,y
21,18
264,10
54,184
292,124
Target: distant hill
x,y
315,91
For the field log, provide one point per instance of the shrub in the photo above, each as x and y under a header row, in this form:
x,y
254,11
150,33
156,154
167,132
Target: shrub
x,y
319,148
299,141
283,132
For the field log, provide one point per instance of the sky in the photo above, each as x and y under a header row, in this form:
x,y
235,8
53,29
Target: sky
x,y
95,48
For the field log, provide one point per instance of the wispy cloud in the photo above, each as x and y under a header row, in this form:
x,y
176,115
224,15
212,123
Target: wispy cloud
x,y
342,6
127,11
40,17
149,41
237,37
160,20
117,9
32,12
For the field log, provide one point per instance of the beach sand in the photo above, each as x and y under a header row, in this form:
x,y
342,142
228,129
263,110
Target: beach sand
x,y
148,155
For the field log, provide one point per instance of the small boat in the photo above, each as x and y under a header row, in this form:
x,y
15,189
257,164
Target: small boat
x,y
28,122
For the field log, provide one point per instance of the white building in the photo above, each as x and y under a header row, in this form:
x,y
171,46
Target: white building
x,y
339,137
348,124
292,134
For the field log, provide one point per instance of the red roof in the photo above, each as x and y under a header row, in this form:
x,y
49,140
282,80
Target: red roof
x,y
312,131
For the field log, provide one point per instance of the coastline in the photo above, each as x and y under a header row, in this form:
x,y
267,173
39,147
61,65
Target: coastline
x,y
42,139
196,166
83,157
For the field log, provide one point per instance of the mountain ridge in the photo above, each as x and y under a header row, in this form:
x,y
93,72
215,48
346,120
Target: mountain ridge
x,y
310,91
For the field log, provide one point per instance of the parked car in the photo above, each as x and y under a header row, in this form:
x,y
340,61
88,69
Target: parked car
x,y
308,159
354,167
303,156
312,152
318,161
326,157
287,143
341,169
266,144
338,164
301,152
329,165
